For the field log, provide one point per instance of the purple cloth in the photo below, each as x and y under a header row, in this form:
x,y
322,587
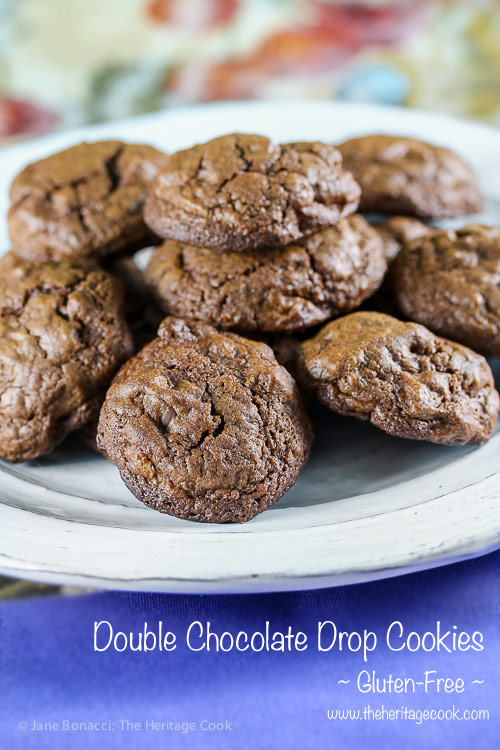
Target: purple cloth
x,y
50,672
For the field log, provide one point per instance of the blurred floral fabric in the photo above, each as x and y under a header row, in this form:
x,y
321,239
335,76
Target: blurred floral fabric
x,y
67,62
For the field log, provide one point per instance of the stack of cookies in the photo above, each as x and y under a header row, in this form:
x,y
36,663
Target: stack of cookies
x,y
257,245
62,314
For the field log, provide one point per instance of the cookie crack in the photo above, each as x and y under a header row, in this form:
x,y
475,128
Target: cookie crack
x,y
226,182
213,433
78,207
314,267
247,163
217,415
17,310
112,171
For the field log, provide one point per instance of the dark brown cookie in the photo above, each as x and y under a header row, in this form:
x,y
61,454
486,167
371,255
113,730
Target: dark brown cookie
x,y
243,192
280,289
404,176
86,201
205,425
62,338
450,282
402,378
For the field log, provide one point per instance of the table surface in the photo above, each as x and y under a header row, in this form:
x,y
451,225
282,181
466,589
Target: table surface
x,y
51,673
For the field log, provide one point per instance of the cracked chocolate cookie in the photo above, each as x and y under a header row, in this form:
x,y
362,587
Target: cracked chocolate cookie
x,y
276,289
62,338
205,425
86,201
450,282
242,192
402,378
405,176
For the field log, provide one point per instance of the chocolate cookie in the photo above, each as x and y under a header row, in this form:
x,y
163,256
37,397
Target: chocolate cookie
x,y
62,337
402,378
243,192
86,201
405,176
450,281
280,289
205,425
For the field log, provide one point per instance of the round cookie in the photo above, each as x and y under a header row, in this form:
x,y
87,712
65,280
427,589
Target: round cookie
x,y
242,192
450,282
62,338
404,176
402,378
205,425
277,289
86,201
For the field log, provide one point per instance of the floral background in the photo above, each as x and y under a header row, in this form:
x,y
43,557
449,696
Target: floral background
x,y
66,62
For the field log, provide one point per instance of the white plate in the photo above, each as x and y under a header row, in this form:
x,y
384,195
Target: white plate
x,y
367,505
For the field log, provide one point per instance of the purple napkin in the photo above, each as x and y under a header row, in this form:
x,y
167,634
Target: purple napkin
x,y
57,692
